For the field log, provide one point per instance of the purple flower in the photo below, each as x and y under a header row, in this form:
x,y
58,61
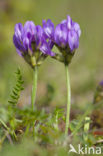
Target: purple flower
x,y
73,40
17,38
67,34
28,34
30,39
39,38
45,48
101,83
48,28
60,36
73,26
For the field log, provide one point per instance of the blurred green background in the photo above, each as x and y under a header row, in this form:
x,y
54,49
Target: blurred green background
x,y
86,69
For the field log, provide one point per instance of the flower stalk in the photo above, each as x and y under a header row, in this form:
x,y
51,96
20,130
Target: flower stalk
x,y
68,100
34,87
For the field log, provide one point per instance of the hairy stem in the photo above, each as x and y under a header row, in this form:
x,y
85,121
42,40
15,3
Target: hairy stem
x,y
68,100
34,87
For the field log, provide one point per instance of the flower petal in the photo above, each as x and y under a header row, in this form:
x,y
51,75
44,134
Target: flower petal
x,y
29,26
64,22
73,40
18,31
46,49
69,22
48,28
29,30
19,52
61,35
18,44
76,27
38,36
51,44
26,43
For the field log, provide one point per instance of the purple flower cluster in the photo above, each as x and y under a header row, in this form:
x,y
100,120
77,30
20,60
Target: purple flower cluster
x,y
25,36
30,39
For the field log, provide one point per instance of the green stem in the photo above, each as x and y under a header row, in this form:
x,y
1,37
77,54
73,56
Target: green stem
x,y
34,88
3,123
68,100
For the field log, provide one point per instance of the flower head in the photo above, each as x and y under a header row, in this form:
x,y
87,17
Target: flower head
x,y
29,40
67,34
